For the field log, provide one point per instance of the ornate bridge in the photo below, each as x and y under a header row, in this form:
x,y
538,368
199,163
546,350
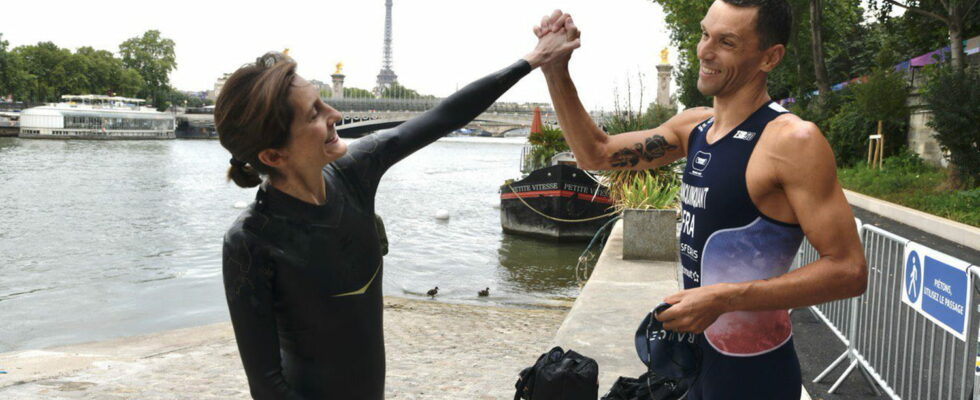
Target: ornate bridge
x,y
365,115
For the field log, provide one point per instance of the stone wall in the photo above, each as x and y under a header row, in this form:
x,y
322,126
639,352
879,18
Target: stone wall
x,y
920,136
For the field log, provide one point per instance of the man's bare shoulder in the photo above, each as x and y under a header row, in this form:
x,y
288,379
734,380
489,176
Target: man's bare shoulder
x,y
789,132
684,122
797,149
693,116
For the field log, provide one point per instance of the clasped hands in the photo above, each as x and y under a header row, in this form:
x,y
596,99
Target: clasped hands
x,y
557,38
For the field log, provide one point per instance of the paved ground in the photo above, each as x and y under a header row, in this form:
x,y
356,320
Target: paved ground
x,y
817,347
434,351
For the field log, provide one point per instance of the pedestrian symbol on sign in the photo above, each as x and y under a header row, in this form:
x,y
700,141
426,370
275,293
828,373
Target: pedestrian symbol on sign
x,y
913,283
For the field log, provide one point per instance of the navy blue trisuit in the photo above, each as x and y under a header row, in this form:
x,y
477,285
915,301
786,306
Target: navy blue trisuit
x,y
303,282
725,238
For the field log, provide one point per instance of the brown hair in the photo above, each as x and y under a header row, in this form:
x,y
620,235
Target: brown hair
x,y
253,113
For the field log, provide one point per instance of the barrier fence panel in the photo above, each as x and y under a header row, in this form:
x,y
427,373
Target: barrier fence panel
x,y
974,329
908,354
879,311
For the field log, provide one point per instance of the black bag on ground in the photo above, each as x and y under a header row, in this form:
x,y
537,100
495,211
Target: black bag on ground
x,y
559,375
648,386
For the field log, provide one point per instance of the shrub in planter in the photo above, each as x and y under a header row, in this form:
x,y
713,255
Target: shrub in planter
x,y
544,145
649,203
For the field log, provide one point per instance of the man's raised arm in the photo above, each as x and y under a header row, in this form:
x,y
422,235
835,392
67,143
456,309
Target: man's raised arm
x,y
593,148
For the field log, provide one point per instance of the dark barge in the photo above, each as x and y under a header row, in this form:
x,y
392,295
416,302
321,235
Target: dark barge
x,y
559,202
196,123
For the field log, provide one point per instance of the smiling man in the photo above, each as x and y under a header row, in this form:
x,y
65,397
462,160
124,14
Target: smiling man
x,y
757,181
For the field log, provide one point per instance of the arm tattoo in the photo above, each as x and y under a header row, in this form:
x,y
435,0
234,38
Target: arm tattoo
x,y
656,146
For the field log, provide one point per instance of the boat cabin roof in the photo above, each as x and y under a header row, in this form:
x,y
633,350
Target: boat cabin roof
x,y
100,98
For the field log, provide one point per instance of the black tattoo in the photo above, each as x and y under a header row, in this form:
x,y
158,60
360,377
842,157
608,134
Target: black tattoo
x,y
656,146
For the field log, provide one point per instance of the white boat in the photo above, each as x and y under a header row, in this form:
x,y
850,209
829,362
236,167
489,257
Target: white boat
x,y
96,117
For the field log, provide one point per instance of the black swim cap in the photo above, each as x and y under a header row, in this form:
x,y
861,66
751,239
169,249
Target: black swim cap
x,y
668,354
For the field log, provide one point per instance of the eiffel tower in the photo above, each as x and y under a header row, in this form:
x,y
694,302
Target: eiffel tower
x,y
386,77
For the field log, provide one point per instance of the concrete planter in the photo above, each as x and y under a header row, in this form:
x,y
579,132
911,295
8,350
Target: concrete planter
x,y
650,235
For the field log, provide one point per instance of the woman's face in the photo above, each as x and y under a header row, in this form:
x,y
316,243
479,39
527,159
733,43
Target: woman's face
x,y
313,140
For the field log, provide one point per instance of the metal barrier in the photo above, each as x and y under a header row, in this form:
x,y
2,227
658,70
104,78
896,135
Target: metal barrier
x,y
889,342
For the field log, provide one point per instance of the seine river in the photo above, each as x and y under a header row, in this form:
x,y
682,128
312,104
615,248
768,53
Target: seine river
x,y
101,239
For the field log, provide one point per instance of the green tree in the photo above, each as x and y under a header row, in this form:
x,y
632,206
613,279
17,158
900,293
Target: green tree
x,y
884,98
45,72
71,75
11,72
816,33
852,114
129,84
153,57
182,99
397,91
797,74
955,14
657,114
106,74
352,92
953,96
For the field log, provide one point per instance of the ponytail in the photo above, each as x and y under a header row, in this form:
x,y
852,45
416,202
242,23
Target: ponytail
x,y
244,175
253,113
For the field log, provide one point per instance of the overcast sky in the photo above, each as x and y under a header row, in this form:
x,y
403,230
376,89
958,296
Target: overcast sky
x,y
438,46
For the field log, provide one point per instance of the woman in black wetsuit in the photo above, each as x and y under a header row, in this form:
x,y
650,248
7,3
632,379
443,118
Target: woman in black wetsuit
x,y
302,265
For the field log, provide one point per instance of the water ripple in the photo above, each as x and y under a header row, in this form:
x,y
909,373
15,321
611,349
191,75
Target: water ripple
x,y
121,238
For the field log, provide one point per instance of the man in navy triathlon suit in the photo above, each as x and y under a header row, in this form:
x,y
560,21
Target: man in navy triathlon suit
x,y
757,180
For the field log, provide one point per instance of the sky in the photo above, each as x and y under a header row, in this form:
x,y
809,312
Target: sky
x,y
438,46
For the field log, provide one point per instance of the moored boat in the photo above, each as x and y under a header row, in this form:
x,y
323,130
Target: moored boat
x,y
96,117
196,123
9,124
559,202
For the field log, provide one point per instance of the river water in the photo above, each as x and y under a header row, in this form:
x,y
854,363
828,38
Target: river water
x,y
100,239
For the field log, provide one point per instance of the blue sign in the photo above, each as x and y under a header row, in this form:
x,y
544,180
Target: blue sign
x,y
944,293
937,286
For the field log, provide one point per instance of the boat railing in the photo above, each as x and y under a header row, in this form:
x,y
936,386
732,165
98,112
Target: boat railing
x,y
529,161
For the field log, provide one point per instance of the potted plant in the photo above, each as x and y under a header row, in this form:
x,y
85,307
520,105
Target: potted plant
x,y
650,204
543,143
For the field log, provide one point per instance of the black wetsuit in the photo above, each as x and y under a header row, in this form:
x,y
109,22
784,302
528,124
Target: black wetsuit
x,y
303,282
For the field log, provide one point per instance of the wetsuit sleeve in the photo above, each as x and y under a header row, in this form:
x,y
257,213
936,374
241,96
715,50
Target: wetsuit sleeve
x,y
248,279
371,156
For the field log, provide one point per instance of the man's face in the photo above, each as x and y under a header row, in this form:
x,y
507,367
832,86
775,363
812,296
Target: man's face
x,y
729,49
